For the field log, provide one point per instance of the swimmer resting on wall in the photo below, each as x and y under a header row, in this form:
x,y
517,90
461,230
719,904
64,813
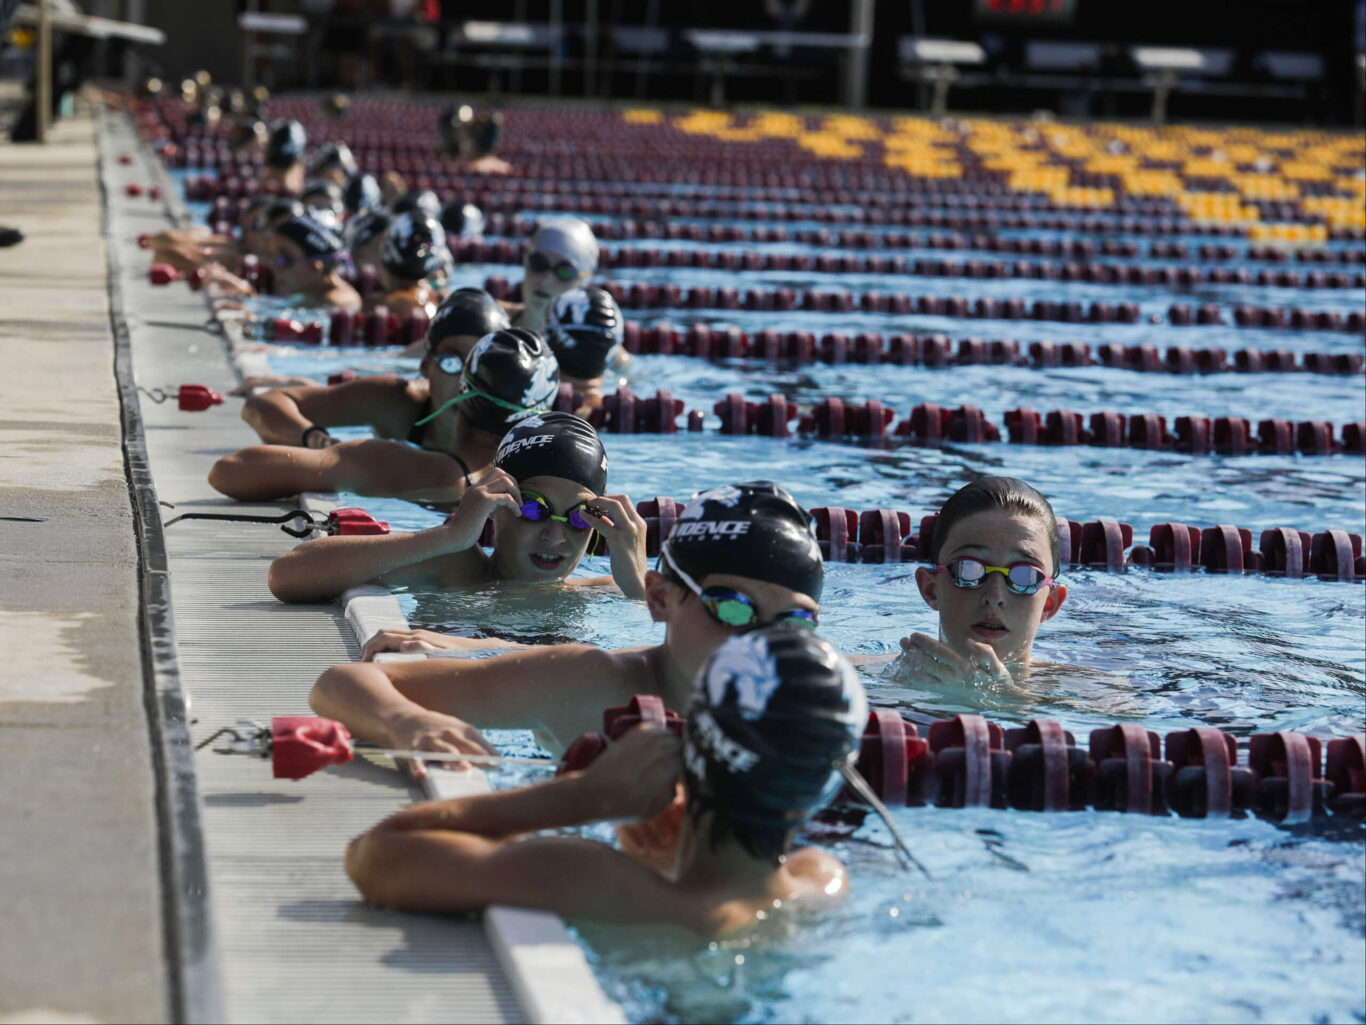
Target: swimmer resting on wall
x,y
739,556
771,717
299,410
508,375
545,495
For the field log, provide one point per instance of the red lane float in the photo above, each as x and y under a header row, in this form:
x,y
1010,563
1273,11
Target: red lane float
x,y
968,762
937,350
485,251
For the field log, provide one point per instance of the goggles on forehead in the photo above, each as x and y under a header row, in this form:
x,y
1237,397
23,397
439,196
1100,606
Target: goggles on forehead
x,y
537,509
1021,577
731,608
540,263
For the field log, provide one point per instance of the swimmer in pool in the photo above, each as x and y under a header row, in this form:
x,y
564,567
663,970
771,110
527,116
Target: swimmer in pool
x,y
585,328
413,264
309,261
772,718
387,403
546,498
740,556
284,170
509,375
360,192
322,200
364,236
199,247
334,162
417,201
462,220
562,254
995,558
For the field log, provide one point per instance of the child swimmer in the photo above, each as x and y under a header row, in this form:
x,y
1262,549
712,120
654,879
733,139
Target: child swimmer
x,y
774,717
995,557
546,497
739,557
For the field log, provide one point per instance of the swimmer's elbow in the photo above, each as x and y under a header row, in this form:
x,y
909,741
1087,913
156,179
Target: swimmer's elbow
x,y
288,584
226,477
364,857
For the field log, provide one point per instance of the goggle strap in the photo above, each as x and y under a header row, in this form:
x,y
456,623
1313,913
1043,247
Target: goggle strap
x,y
860,786
484,395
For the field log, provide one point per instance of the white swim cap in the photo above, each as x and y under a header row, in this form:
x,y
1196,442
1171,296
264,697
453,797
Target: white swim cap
x,y
570,238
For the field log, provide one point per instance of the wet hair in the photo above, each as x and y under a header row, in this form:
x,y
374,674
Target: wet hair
x,y
1007,493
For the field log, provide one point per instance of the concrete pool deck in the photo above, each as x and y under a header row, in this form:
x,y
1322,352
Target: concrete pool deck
x,y
79,871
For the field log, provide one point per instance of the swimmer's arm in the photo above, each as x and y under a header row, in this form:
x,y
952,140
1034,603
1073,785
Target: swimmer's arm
x,y
281,415
560,690
321,569
384,469
453,872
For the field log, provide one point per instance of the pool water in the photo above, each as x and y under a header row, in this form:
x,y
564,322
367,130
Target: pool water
x,y
1085,916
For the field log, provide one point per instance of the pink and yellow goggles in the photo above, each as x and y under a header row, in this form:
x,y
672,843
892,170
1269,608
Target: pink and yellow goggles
x,y
1021,577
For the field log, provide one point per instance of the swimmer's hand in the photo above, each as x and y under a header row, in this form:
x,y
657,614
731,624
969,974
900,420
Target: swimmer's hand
x,y
634,779
496,489
271,381
929,660
432,731
616,519
409,641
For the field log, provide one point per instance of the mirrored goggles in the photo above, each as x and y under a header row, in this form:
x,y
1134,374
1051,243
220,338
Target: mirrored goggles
x,y
1021,577
450,363
540,263
537,509
731,608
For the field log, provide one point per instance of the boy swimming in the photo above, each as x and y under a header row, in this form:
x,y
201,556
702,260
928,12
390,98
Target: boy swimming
x,y
995,557
545,497
509,375
773,716
739,557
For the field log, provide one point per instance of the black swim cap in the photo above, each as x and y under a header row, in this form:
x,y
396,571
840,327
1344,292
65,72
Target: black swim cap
x,y
555,445
316,239
322,194
752,530
470,312
364,226
248,131
333,156
361,192
418,201
584,328
774,714
286,144
415,247
283,208
508,376
463,220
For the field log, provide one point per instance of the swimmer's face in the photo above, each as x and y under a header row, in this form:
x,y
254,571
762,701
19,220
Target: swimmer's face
x,y
992,614
547,550
294,271
546,284
697,632
445,386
